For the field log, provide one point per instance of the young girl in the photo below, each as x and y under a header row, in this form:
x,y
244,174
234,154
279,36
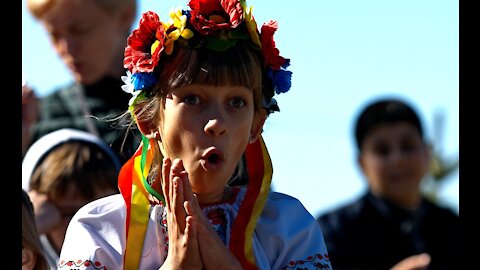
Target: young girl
x,y
203,84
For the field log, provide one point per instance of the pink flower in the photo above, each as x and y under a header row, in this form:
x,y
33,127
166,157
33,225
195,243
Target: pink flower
x,y
145,44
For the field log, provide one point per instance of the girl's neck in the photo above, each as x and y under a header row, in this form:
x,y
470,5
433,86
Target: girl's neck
x,y
226,196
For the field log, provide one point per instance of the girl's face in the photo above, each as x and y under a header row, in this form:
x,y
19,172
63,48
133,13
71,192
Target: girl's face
x,y
209,127
89,40
394,159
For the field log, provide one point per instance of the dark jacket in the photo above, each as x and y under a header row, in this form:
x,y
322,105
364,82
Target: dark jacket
x,y
104,100
372,233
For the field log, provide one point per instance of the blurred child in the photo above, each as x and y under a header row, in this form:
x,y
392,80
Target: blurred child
x,y
203,84
392,225
89,37
63,171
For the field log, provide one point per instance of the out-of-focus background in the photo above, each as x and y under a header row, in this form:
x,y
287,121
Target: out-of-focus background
x,y
343,54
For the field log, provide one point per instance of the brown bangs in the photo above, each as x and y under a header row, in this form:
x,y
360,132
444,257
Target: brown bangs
x,y
238,66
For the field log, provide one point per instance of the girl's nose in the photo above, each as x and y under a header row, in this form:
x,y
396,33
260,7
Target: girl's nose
x,y
215,127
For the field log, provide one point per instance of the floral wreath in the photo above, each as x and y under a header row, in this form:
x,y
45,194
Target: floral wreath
x,y
216,25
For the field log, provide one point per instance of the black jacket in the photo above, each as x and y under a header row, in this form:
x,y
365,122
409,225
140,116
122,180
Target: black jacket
x,y
372,233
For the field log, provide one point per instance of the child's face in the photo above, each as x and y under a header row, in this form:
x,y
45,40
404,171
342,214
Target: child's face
x,y
394,159
89,40
68,205
209,128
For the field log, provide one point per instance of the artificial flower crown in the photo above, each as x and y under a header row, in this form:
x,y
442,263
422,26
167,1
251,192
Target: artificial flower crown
x,y
213,24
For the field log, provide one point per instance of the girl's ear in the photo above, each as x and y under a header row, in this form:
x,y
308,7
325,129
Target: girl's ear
x,y
145,127
29,258
257,125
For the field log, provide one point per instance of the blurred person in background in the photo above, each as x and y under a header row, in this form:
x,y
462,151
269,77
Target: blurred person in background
x,y
90,37
62,171
392,225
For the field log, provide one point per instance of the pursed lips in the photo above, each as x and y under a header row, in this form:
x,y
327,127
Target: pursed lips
x,y
212,159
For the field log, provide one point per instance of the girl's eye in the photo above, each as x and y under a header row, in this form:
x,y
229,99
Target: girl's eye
x,y
237,102
191,100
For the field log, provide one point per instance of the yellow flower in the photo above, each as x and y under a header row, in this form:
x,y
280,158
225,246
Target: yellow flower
x,y
178,21
252,27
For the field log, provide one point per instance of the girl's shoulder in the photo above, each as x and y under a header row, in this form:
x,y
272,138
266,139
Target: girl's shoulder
x,y
284,201
282,208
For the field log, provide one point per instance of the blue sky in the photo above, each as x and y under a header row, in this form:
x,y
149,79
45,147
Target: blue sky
x,y
343,53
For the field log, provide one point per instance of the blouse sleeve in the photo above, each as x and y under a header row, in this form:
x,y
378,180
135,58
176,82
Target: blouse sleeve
x,y
289,237
94,237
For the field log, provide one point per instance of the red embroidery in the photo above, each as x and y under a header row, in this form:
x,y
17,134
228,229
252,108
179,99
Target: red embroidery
x,y
97,265
313,262
217,216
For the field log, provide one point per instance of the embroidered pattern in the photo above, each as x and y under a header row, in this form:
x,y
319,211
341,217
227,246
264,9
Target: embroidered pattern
x,y
87,263
161,217
218,219
312,262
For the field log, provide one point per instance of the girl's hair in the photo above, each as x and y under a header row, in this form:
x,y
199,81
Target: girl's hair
x,y
84,164
237,66
38,8
30,237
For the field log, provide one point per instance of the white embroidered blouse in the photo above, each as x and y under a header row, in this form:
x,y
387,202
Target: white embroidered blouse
x,y
286,236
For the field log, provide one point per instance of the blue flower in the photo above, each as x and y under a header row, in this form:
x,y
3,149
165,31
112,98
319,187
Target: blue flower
x,y
281,80
143,80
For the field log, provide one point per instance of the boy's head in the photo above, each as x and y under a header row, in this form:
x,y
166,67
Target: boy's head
x,y
392,152
385,111
88,35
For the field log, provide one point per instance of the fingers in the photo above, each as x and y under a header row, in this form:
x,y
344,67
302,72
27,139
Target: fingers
x,y
183,248
190,229
178,199
415,262
173,177
167,163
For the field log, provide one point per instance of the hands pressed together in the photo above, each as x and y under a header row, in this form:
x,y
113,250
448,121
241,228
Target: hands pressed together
x,y
193,243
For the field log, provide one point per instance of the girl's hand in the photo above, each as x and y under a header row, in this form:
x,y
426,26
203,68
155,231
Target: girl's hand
x,y
214,253
183,248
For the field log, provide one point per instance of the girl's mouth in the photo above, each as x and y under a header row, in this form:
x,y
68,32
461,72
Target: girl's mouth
x,y
212,159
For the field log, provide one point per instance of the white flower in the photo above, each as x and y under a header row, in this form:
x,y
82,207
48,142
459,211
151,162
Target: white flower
x,y
128,87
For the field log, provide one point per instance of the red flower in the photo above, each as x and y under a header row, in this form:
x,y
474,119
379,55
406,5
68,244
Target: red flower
x,y
271,55
210,17
138,56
